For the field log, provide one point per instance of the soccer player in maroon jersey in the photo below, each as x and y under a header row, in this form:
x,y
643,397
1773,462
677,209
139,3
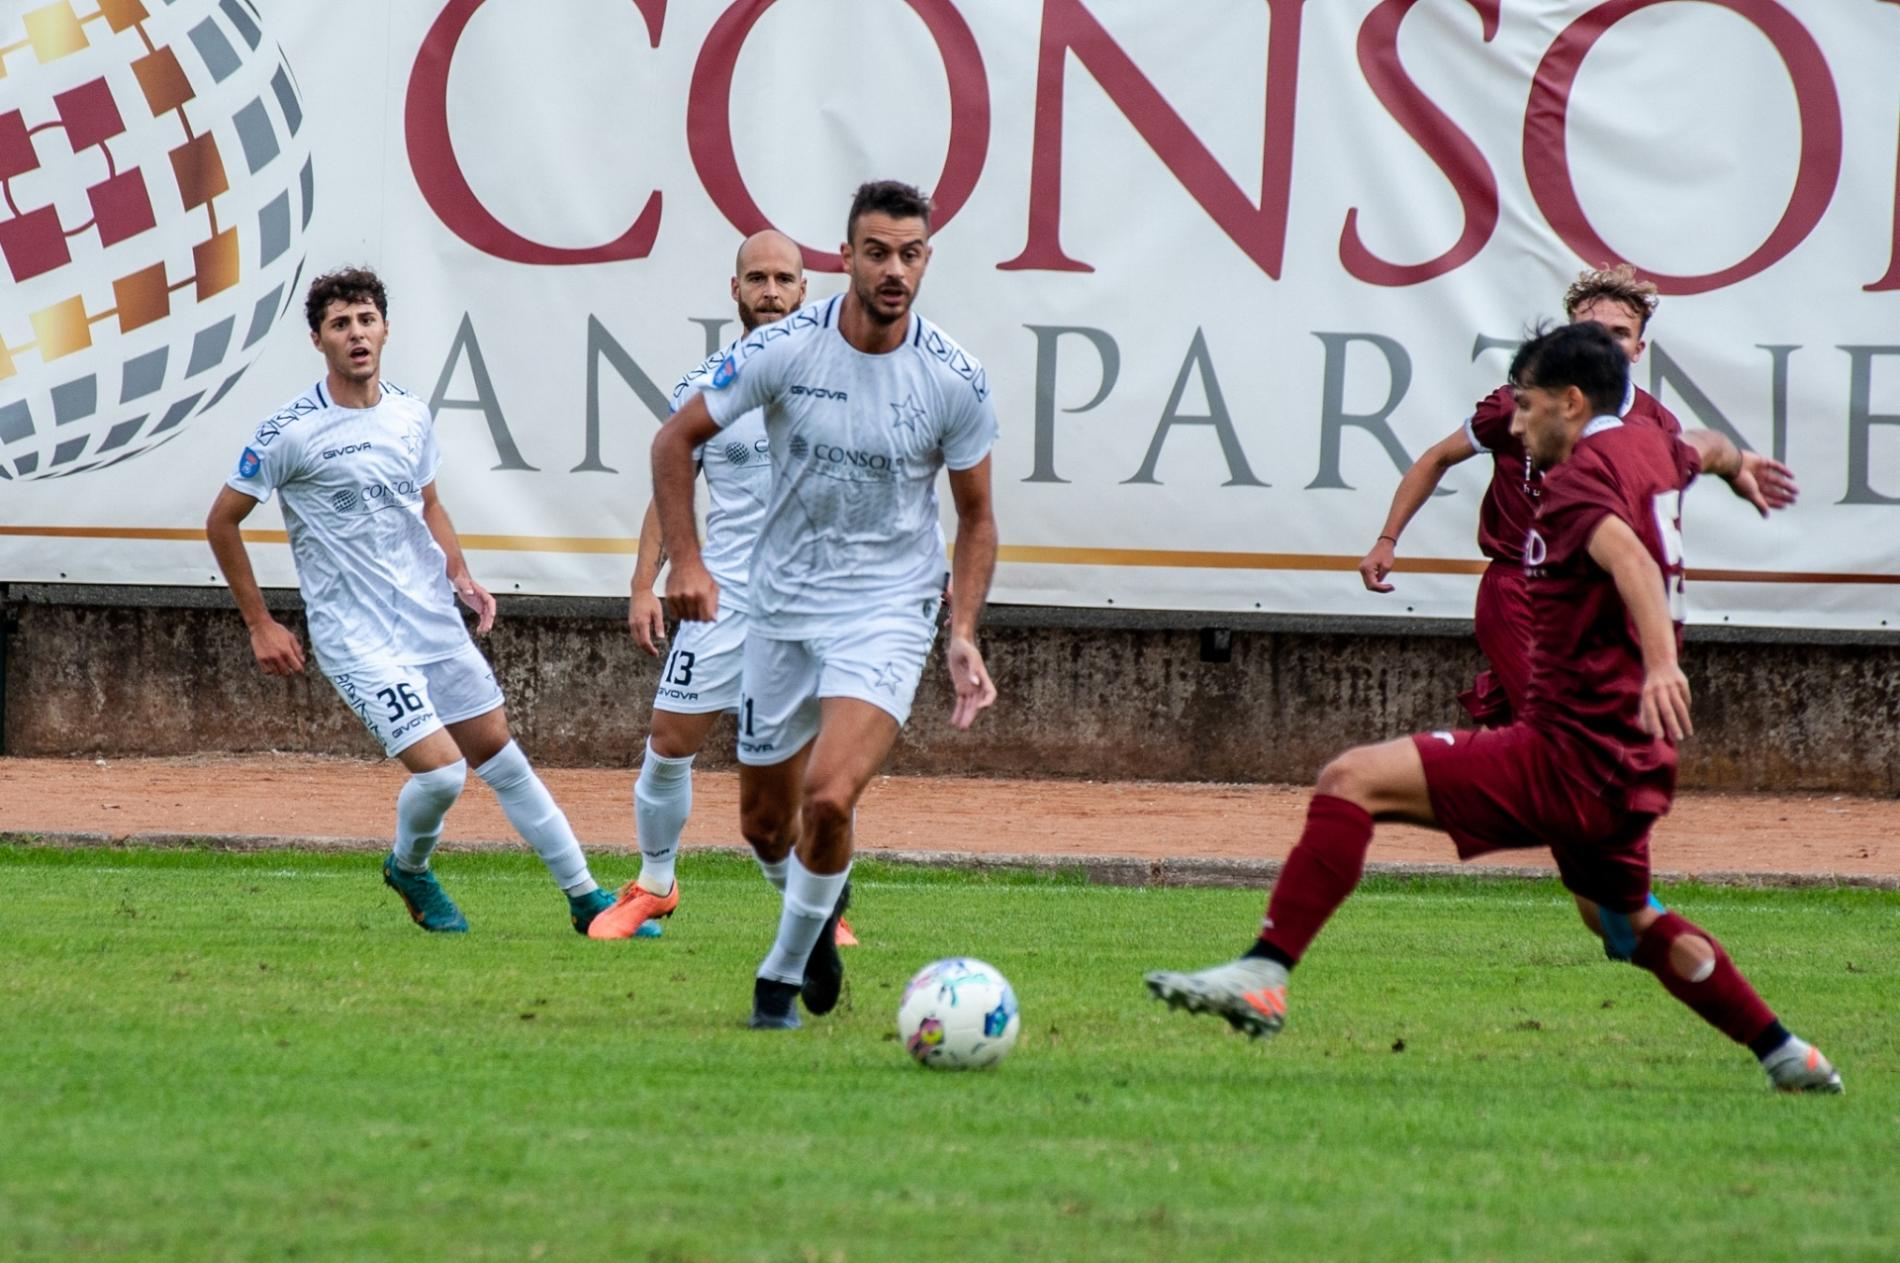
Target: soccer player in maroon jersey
x,y
1591,763
1621,303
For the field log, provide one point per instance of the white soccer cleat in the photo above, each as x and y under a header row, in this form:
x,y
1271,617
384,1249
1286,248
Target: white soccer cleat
x,y
1798,1066
1250,993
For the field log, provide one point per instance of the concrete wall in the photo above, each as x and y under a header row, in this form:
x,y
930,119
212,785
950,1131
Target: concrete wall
x,y
1146,696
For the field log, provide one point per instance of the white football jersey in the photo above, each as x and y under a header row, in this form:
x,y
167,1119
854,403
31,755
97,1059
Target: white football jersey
x,y
738,469
375,583
856,442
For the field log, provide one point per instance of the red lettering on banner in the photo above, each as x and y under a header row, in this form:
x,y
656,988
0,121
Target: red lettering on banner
x,y
1547,163
1892,279
709,119
1260,231
1441,139
439,175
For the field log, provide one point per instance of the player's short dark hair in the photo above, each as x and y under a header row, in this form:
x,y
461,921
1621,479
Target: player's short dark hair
x,y
1581,355
1619,284
888,197
348,285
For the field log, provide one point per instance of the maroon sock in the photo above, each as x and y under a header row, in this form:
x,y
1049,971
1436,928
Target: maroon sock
x,y
1319,874
1724,999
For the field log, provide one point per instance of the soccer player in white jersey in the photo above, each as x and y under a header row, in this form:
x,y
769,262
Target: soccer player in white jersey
x,y
865,401
354,459
700,679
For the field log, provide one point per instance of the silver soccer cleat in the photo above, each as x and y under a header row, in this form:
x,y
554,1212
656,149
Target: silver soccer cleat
x,y
1798,1066
1250,993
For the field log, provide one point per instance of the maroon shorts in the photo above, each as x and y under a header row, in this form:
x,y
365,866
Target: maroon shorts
x,y
1502,621
1501,788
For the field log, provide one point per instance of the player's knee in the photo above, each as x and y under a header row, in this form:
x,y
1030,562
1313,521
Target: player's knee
x,y
1347,777
1692,958
768,828
1591,919
828,808
439,787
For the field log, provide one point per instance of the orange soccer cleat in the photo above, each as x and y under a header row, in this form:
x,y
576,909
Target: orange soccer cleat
x,y
634,908
845,937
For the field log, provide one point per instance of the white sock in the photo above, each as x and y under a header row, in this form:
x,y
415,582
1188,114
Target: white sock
x,y
809,899
425,798
662,799
531,810
775,871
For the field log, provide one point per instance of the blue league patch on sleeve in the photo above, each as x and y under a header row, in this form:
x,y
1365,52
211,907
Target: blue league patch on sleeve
x,y
726,373
249,464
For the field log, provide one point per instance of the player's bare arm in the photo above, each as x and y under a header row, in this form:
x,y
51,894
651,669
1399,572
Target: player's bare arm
x,y
1765,483
278,651
1414,489
1639,581
693,592
646,619
472,594
971,570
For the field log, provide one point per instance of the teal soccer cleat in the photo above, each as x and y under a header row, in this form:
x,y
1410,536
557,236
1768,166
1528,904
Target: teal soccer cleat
x,y
428,906
582,909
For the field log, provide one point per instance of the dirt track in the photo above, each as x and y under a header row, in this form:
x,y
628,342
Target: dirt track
x,y
296,796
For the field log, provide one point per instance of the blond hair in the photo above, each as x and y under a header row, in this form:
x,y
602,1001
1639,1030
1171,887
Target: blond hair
x,y
1619,284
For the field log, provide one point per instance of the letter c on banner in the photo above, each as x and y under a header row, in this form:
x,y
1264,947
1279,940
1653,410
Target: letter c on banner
x,y
439,175
1547,161
709,119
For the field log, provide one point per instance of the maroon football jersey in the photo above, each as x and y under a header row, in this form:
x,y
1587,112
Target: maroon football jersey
x,y
1504,518
1586,663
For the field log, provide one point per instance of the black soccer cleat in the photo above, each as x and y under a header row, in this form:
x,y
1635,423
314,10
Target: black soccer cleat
x,y
824,969
774,1006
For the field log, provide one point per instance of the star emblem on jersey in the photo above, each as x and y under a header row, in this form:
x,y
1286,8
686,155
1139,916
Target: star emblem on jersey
x,y
888,678
907,415
412,440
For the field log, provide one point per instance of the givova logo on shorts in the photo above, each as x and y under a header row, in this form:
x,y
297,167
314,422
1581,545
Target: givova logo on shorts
x,y
157,187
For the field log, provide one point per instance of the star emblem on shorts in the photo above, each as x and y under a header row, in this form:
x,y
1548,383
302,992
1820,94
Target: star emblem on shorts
x,y
888,678
909,414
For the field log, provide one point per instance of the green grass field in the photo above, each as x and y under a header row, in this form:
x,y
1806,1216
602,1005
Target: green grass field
x,y
241,1056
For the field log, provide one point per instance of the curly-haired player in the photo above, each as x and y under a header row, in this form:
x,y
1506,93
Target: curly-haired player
x,y
354,459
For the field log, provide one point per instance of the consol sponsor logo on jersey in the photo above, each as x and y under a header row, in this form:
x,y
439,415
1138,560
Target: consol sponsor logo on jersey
x,y
877,464
820,392
374,497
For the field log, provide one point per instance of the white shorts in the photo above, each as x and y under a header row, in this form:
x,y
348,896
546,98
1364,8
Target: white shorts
x,y
879,660
401,704
700,675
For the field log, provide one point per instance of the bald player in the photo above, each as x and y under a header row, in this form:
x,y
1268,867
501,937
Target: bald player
x,y
700,678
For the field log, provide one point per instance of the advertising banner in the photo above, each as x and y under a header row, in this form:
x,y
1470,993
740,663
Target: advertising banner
x,y
1230,265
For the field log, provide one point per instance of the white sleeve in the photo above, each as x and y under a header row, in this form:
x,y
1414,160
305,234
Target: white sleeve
x,y
267,462
970,430
751,377
429,459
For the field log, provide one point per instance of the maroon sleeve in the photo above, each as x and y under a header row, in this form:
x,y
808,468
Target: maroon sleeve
x,y
1688,464
1653,410
1578,494
1490,423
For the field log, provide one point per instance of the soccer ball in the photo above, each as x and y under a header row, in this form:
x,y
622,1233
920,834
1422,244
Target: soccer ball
x,y
958,1014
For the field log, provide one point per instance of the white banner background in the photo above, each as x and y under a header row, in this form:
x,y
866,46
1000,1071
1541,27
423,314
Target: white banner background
x,y
1683,143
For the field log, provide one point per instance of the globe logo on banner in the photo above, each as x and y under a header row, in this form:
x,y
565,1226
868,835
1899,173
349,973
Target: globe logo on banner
x,y
155,188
